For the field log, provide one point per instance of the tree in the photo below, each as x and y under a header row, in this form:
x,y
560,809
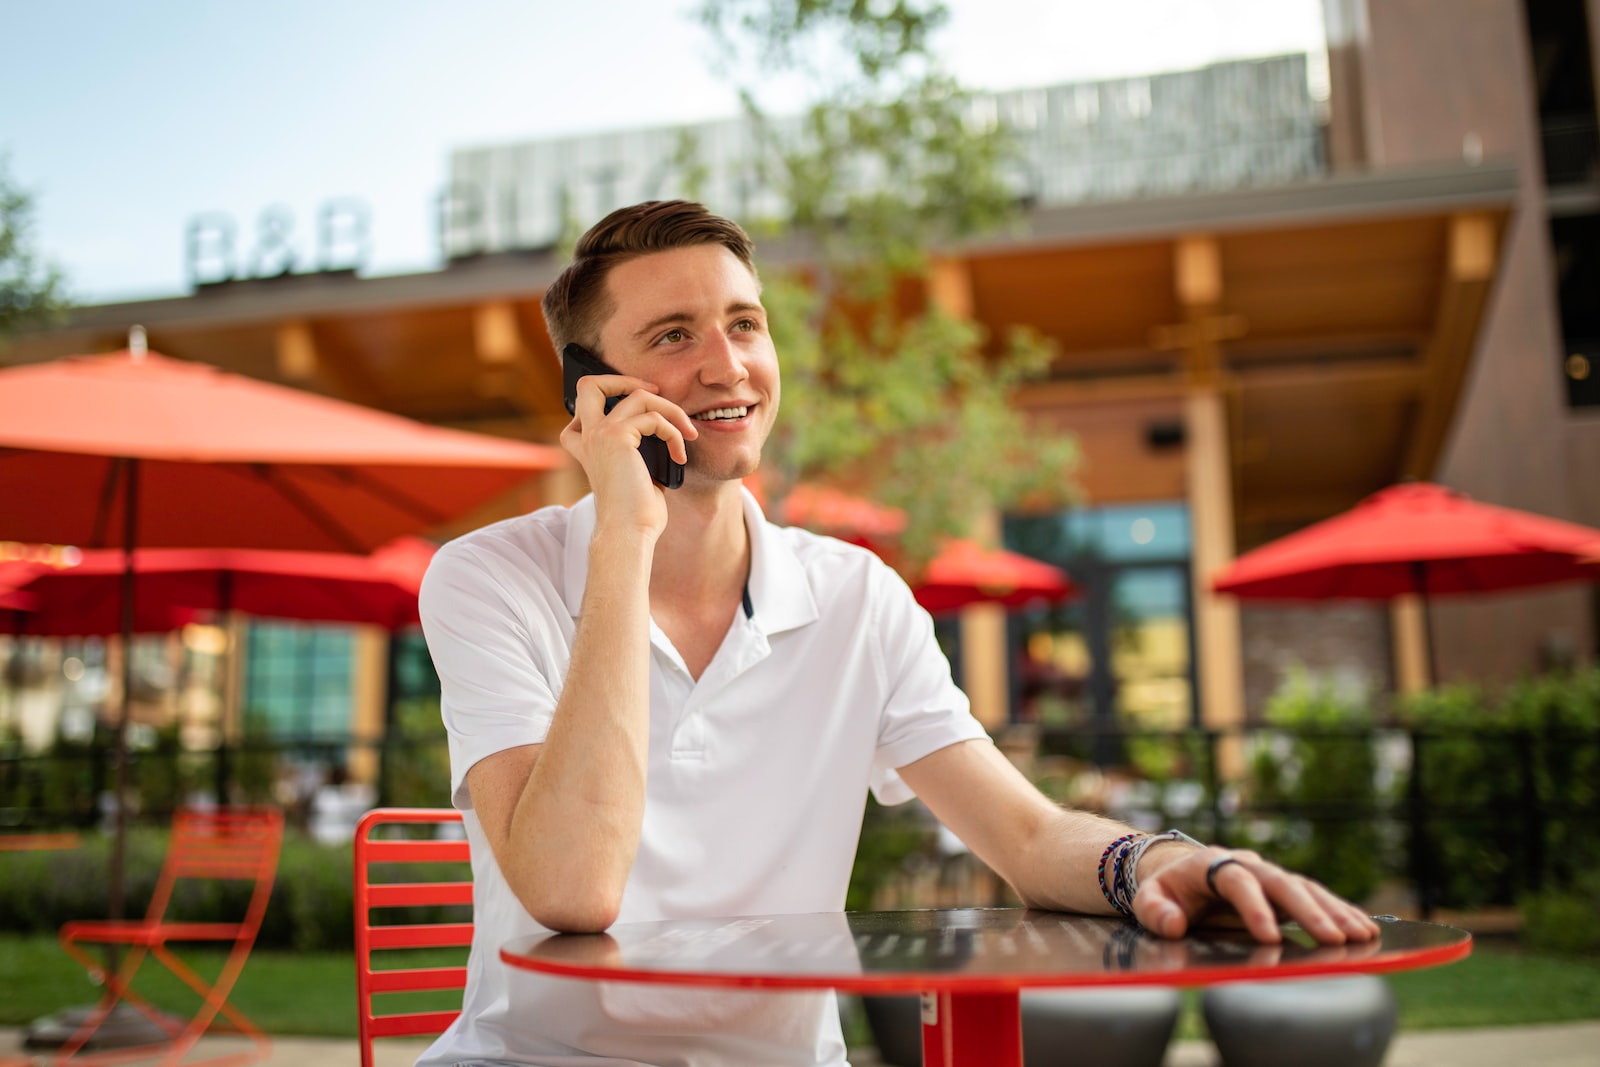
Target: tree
x,y
31,291
890,161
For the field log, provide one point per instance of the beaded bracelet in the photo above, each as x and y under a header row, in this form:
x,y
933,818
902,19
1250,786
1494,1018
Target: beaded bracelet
x,y
1112,857
1121,858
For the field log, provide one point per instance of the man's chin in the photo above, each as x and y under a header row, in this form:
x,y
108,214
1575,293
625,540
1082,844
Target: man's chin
x,y
709,472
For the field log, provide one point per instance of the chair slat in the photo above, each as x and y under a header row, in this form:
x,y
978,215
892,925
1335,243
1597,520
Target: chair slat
x,y
421,935
400,894
413,1024
418,979
417,852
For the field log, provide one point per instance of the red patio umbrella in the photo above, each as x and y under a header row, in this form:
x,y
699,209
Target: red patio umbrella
x,y
965,573
136,450
962,573
835,512
85,598
1416,538
1413,538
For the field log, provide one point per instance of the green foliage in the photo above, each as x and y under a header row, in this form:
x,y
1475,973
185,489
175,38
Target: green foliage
x,y
40,890
1324,769
1565,920
416,761
165,774
889,838
1519,780
891,159
253,770
63,782
32,292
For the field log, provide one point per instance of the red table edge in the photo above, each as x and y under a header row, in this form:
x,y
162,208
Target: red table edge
x,y
934,982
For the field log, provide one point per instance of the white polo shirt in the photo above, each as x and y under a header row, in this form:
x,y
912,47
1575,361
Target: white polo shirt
x,y
758,773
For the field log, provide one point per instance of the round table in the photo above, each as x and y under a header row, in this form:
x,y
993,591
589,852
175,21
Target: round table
x,y
969,964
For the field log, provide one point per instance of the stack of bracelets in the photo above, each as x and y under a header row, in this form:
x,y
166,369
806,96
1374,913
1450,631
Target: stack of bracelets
x,y
1119,880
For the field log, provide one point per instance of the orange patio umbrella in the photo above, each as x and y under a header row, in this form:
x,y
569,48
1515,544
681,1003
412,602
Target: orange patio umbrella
x,y
136,450
217,460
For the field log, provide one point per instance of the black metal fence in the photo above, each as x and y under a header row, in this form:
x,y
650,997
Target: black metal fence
x,y
1462,817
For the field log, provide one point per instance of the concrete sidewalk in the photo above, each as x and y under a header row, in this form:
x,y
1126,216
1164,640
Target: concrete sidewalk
x,y
1556,1045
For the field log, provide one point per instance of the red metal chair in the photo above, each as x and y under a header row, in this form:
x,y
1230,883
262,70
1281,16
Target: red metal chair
x,y
376,853
225,843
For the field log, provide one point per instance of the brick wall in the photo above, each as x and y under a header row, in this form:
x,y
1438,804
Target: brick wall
x,y
1343,643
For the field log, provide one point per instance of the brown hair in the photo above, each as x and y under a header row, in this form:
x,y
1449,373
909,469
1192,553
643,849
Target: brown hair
x,y
576,304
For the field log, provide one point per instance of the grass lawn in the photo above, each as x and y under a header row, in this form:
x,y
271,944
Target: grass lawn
x,y
313,994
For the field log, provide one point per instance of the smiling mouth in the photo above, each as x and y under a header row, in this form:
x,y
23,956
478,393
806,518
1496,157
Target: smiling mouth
x,y
728,414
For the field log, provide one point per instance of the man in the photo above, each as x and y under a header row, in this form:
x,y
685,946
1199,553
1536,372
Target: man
x,y
659,705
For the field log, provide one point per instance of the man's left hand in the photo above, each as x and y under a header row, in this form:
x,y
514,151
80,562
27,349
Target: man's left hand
x,y
1182,885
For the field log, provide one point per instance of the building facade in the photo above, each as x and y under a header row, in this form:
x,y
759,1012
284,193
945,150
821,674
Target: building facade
x,y
1266,305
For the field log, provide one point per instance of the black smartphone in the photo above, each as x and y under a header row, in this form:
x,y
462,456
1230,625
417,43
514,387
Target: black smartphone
x,y
578,362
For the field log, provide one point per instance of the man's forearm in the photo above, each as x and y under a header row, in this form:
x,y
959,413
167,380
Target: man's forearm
x,y
1059,871
575,830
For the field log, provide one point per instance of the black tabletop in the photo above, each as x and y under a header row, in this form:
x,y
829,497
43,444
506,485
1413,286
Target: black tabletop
x,y
962,949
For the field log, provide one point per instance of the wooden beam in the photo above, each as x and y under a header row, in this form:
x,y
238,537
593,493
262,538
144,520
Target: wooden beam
x,y
1211,517
297,351
368,694
507,366
495,332
1409,626
1197,271
1109,390
304,359
1470,260
1398,377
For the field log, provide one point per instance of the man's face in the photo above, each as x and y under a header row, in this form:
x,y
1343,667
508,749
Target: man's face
x,y
691,321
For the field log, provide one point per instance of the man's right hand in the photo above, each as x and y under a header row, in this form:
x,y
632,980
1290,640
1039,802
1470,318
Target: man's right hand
x,y
607,447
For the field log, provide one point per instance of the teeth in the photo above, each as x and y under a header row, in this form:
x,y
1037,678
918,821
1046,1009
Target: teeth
x,y
723,413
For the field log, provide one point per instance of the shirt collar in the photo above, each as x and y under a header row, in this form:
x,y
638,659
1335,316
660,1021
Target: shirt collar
x,y
779,587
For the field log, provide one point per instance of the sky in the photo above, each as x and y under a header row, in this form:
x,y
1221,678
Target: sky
x,y
126,120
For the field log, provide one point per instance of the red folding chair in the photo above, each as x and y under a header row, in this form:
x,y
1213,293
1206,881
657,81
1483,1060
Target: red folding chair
x,y
386,856
239,844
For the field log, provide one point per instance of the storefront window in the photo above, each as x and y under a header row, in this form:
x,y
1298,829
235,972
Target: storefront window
x,y
1120,654
298,681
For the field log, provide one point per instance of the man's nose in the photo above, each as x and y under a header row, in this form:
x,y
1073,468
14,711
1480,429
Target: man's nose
x,y
721,362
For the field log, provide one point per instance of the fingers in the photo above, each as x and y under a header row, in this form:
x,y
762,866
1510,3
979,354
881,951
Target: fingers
x,y
639,413
1356,923
1210,883
1244,887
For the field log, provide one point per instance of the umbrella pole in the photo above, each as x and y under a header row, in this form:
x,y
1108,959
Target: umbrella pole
x,y
119,825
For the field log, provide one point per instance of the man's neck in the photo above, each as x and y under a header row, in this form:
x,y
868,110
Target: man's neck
x,y
704,553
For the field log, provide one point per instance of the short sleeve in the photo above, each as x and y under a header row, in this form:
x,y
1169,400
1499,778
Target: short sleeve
x,y
499,639
924,710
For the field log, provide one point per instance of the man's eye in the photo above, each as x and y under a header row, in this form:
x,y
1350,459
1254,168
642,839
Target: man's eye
x,y
672,337
745,324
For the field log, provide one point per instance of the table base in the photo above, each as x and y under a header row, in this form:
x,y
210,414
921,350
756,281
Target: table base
x,y
962,1029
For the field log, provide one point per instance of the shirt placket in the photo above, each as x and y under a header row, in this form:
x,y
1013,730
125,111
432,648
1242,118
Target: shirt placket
x,y
744,647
